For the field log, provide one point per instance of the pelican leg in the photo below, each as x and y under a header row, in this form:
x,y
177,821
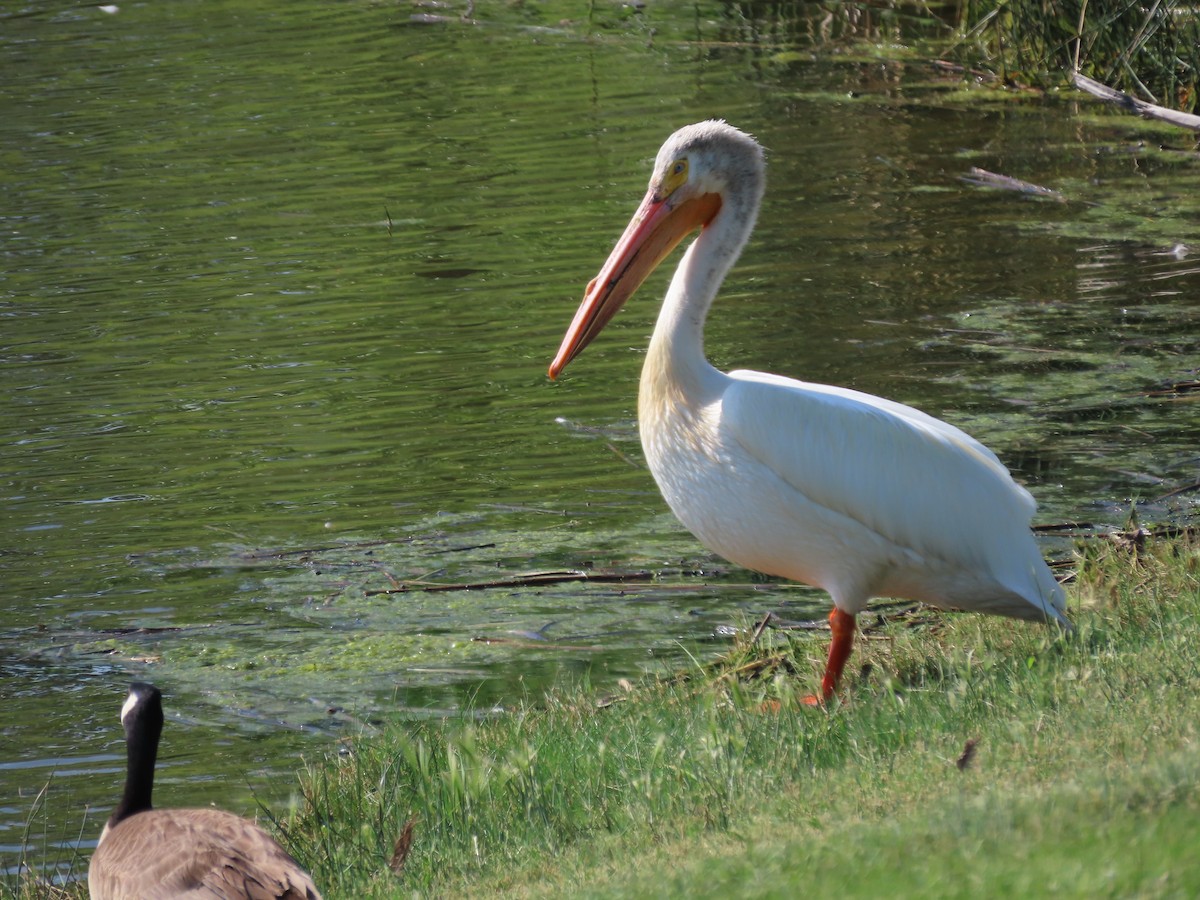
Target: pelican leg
x,y
843,626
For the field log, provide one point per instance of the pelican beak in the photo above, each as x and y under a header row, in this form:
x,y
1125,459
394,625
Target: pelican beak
x,y
659,224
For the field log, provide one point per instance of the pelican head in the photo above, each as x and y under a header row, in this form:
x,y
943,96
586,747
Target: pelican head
x,y
700,170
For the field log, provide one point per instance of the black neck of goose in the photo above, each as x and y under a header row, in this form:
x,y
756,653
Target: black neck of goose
x,y
142,731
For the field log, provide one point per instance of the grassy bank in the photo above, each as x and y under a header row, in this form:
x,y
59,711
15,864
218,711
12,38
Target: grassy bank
x,y
1081,779
971,756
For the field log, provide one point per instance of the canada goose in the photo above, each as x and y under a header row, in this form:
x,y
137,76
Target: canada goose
x,y
148,853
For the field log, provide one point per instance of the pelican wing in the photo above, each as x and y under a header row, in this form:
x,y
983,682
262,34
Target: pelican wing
x,y
915,480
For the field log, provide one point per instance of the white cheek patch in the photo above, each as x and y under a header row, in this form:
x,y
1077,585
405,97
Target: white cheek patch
x,y
130,703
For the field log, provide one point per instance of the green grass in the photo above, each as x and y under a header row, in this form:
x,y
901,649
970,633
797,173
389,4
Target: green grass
x,y
1084,781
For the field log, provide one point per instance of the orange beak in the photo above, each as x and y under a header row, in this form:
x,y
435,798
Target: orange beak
x,y
654,231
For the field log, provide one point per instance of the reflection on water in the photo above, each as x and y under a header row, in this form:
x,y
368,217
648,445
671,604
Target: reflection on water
x,y
289,278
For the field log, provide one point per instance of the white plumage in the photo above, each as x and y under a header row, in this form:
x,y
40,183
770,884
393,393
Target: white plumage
x,y
855,494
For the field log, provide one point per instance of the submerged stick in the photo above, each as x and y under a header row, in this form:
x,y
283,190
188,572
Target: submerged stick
x,y
532,579
984,178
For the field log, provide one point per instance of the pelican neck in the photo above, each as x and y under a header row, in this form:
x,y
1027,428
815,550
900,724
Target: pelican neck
x,y
676,352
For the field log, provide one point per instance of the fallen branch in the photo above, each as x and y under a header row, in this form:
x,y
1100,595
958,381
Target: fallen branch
x,y
1132,104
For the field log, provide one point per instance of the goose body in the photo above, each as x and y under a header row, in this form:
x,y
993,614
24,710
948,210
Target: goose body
x,y
850,492
155,854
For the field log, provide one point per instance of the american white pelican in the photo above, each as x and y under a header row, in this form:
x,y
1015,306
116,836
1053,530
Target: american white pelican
x,y
858,495
146,853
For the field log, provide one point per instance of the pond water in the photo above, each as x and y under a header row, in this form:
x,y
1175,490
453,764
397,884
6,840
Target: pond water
x,y
281,283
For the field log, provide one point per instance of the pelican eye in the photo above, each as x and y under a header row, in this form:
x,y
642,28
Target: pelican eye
x,y
676,176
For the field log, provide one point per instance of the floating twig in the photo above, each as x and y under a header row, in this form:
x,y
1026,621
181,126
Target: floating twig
x,y
954,68
527,644
1186,489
